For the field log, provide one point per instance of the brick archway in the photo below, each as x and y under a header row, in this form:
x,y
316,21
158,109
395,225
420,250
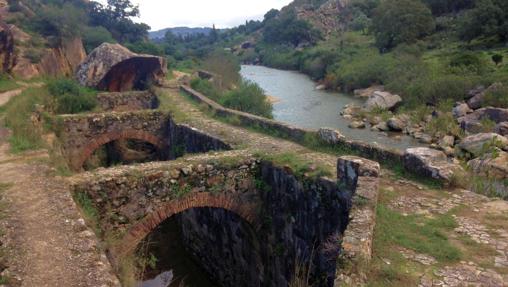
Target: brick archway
x,y
198,200
95,143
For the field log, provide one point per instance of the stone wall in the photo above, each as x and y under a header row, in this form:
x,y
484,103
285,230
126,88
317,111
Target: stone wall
x,y
371,151
81,135
127,101
358,177
262,220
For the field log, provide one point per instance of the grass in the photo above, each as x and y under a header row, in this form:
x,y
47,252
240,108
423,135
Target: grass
x,y
18,117
88,209
300,167
7,84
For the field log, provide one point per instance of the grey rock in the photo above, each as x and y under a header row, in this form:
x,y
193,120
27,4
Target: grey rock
x,y
477,90
502,129
474,144
492,166
382,126
472,122
429,162
461,110
365,93
357,125
382,100
396,124
447,141
330,136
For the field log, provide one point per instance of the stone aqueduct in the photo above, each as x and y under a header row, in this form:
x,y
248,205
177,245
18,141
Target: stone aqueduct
x,y
133,200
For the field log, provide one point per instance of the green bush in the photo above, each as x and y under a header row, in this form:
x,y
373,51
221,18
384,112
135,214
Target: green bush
x,y
70,97
206,88
250,98
467,63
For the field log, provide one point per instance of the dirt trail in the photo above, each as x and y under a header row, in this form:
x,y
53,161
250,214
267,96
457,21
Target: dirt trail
x,y
47,241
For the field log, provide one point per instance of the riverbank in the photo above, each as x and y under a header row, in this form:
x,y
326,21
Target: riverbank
x,y
302,105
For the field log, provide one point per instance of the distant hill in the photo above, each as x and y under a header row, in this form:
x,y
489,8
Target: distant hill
x,y
179,31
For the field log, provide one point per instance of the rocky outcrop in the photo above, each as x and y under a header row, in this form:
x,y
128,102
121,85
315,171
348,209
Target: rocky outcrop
x,y
491,166
7,57
114,68
429,162
461,109
478,95
382,100
475,144
472,122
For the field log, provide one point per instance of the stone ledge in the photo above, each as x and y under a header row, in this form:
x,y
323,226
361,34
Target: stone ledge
x,y
127,101
361,177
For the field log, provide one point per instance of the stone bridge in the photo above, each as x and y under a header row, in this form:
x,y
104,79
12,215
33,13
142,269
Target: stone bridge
x,y
291,215
132,201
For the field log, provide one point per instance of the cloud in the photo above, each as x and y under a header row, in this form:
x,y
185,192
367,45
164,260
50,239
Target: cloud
x,y
161,14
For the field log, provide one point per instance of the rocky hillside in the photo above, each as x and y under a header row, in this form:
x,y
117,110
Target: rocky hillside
x,y
322,14
27,55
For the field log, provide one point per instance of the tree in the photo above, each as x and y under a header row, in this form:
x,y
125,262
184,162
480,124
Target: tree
x,y
489,18
440,7
401,21
289,30
271,15
115,17
497,59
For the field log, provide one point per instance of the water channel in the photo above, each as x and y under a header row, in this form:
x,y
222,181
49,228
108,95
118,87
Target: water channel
x,y
300,104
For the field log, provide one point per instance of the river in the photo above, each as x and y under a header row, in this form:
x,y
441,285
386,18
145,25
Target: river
x,y
300,104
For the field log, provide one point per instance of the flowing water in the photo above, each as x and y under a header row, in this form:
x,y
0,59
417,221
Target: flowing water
x,y
300,104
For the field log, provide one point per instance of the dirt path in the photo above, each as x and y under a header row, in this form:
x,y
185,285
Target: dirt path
x,y
6,96
47,241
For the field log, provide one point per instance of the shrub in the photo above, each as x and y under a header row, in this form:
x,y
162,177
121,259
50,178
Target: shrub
x,y
497,59
70,97
467,62
226,66
250,98
206,88
497,97
34,55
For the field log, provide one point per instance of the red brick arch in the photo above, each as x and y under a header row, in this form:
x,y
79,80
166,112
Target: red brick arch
x,y
95,143
197,200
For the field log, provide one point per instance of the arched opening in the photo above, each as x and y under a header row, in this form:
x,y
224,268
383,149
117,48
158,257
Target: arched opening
x,y
129,146
200,247
121,152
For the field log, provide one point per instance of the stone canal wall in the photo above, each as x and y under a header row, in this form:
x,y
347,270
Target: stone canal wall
x,y
371,151
127,101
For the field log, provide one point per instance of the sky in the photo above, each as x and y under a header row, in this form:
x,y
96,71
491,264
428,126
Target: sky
x,y
161,14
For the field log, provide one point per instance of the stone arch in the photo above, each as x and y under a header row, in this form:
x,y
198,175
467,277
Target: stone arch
x,y
144,227
95,143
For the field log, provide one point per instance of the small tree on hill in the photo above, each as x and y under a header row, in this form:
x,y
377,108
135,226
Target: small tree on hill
x,y
497,59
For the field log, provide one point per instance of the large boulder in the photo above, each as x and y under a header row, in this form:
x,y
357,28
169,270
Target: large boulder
x,y
382,100
114,68
472,122
502,129
475,144
490,165
476,101
429,162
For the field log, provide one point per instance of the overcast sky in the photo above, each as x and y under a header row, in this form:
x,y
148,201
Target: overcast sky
x,y
161,14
